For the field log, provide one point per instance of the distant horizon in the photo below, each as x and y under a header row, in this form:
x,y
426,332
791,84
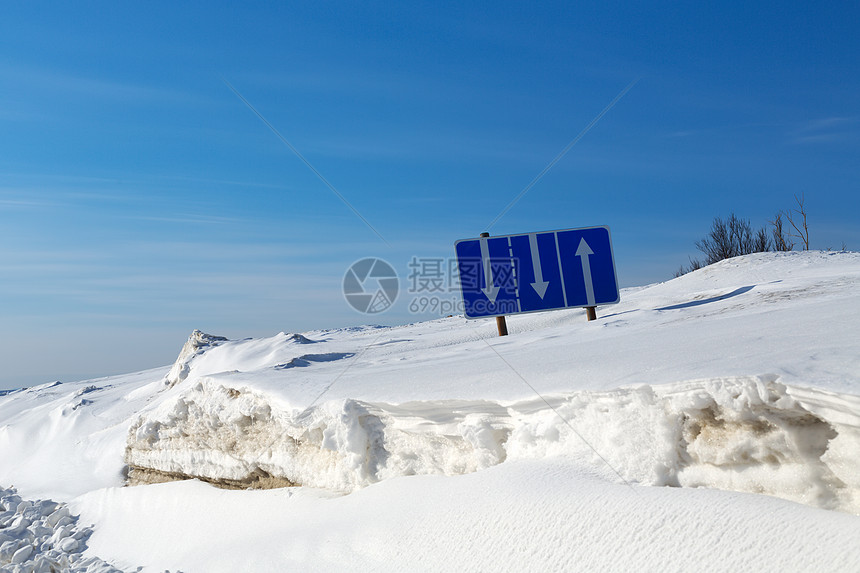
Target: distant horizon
x,y
26,381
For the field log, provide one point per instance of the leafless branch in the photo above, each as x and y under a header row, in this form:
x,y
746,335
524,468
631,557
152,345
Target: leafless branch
x,y
801,229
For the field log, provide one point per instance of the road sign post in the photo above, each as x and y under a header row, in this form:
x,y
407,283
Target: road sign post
x,y
533,272
501,322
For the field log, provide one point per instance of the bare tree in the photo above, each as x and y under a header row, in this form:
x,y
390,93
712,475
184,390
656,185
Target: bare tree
x,y
732,238
781,241
717,245
761,242
797,219
741,236
695,264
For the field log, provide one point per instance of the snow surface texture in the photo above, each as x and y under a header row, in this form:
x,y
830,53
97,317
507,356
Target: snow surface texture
x,y
536,515
43,537
743,376
741,433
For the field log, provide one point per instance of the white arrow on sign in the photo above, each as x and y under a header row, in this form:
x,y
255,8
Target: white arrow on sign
x,y
490,290
539,285
584,251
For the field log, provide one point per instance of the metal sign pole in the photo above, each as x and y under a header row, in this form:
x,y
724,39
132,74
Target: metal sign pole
x,y
501,323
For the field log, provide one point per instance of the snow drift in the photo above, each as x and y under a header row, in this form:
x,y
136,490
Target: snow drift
x,y
742,434
523,452
241,413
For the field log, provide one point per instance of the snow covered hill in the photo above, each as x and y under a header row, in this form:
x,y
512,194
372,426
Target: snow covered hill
x,y
439,445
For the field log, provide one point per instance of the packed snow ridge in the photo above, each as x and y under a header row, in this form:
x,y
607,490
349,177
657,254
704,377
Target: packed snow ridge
x,y
742,434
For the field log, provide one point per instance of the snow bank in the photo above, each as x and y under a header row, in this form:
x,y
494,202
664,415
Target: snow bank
x,y
741,434
42,536
237,437
551,514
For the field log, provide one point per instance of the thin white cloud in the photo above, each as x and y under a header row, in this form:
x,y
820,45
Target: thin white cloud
x,y
825,130
828,123
24,203
52,81
718,129
230,182
189,219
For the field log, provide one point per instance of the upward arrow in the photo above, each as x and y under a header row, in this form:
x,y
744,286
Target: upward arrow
x,y
584,251
489,290
539,285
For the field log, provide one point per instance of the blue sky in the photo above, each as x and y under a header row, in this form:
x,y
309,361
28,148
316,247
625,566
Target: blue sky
x,y
140,198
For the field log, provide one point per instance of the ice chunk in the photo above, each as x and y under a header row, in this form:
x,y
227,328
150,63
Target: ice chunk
x,y
196,344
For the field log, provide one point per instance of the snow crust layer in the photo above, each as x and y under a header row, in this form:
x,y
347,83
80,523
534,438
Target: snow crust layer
x,y
742,434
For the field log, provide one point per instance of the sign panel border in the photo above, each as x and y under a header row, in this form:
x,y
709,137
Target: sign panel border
x,y
507,311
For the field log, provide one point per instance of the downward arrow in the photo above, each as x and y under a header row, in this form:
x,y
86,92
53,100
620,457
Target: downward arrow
x,y
539,285
489,290
584,251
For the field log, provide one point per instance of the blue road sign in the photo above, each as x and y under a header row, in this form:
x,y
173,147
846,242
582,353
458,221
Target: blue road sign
x,y
533,272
